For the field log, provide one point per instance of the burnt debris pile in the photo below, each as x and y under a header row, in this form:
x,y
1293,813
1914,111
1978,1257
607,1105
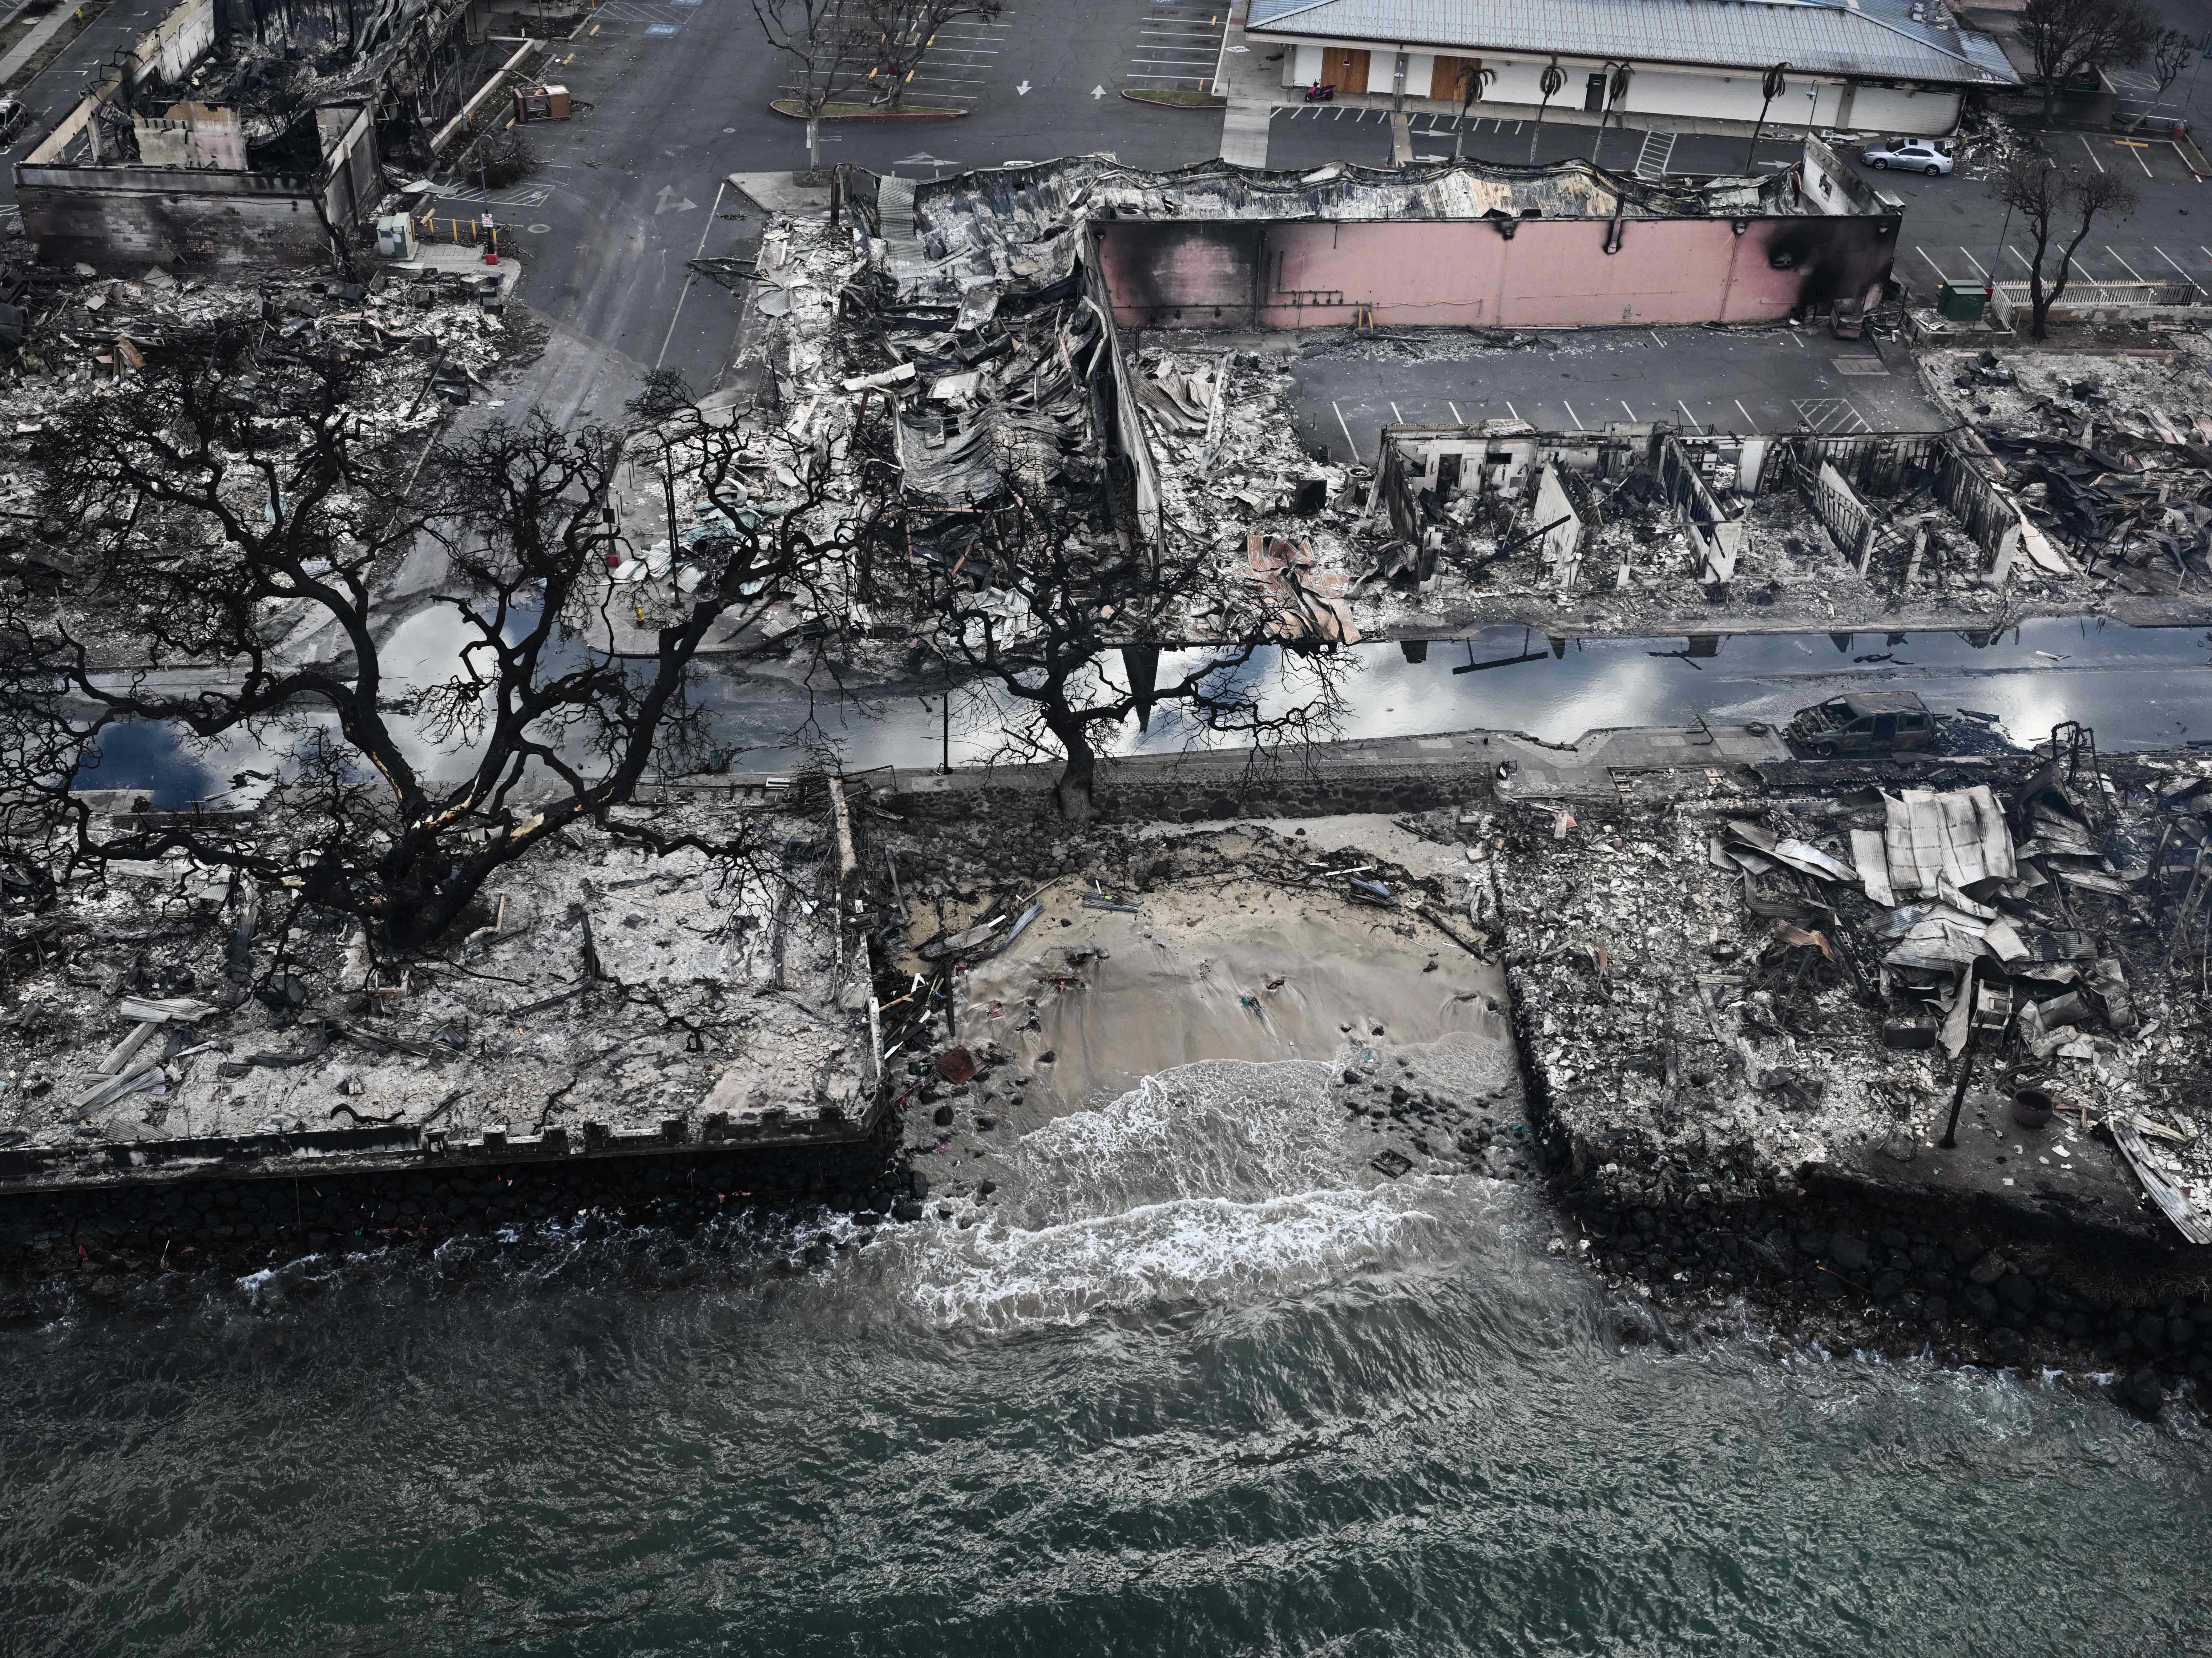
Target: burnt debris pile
x,y
2110,456
1732,992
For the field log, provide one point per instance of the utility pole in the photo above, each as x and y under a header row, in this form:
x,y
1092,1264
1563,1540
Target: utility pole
x,y
1950,1141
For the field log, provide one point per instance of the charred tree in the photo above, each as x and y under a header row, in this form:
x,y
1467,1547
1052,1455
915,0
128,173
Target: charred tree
x,y
903,30
234,532
2045,195
829,45
1030,601
2066,38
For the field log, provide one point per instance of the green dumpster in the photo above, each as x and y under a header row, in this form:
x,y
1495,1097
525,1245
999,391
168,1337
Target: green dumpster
x,y
1963,301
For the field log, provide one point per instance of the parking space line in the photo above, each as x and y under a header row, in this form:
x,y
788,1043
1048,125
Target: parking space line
x,y
1510,409
2022,257
2124,265
1396,418
1750,424
2136,147
1458,419
1573,416
1932,265
1631,413
1344,427
1976,263
2185,276
1685,408
2091,149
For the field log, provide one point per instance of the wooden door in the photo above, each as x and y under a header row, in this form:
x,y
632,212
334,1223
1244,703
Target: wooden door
x,y
1444,81
1344,68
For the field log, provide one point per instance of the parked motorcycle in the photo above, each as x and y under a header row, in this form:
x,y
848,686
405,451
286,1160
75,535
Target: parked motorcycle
x,y
1320,92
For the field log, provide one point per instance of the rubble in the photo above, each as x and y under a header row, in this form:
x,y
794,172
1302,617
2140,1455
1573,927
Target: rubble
x,y
206,136
414,345
1729,990
169,1020
2110,456
964,335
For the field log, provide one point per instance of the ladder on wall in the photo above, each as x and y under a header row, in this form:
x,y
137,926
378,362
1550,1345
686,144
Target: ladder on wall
x,y
1658,149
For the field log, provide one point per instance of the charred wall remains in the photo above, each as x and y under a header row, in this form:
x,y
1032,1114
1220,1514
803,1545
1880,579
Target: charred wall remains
x,y
1446,244
1627,506
236,132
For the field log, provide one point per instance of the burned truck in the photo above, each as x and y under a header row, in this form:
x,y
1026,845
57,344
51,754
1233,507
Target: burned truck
x,y
1863,722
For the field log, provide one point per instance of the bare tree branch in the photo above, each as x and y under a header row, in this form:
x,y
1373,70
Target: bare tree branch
x,y
2067,39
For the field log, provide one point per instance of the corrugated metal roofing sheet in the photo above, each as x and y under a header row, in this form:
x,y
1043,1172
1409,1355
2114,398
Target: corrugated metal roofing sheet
x,y
1812,36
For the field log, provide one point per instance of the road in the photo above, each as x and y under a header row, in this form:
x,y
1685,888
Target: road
x,y
629,192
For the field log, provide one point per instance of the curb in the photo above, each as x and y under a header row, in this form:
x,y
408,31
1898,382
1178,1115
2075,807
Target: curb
x,y
775,108
1163,103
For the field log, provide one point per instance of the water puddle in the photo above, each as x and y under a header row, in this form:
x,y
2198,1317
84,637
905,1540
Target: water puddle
x,y
2138,688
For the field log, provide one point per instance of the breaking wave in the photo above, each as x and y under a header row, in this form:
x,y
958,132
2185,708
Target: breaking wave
x,y
1215,1182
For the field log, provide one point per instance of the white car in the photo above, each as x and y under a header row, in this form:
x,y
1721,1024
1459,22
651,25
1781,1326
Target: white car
x,y
1913,155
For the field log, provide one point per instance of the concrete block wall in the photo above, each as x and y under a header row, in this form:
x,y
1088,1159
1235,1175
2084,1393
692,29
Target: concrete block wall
x,y
117,217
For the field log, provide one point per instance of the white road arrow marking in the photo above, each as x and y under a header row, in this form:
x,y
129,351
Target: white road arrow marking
x,y
682,206
1022,90
1097,92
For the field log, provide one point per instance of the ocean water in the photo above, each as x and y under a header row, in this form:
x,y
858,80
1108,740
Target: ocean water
x,y
1201,1382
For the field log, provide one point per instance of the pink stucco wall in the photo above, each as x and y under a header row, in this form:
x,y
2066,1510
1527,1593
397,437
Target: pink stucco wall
x,y
1551,274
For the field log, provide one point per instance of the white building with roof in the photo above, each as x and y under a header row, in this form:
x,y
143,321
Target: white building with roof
x,y
1892,66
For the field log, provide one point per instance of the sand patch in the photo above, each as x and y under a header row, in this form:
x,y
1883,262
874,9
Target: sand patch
x,y
1216,969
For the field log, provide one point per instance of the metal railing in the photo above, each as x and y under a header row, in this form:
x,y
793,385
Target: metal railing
x,y
2087,299
467,233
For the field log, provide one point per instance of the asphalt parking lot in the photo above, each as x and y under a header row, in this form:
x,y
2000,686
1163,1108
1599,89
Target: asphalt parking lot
x,y
1769,379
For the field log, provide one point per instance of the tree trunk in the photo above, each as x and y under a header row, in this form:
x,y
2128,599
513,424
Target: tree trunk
x,y
814,141
1072,794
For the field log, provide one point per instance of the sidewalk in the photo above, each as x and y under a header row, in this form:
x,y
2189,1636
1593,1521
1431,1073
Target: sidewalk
x,y
1243,79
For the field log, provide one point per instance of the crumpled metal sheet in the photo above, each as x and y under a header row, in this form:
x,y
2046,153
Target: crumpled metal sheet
x,y
1961,837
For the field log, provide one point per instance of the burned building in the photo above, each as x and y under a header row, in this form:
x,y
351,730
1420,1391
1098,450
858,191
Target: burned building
x,y
237,133
1460,243
2110,456
1794,520
1972,984
171,1019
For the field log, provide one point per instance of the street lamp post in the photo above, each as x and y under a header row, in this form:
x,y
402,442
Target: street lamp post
x,y
1950,1140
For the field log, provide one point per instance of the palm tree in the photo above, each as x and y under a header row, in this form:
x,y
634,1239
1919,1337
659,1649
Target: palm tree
x,y
1551,81
1473,78
1772,87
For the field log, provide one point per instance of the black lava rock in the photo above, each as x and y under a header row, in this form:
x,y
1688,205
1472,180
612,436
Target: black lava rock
x,y
2141,1392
